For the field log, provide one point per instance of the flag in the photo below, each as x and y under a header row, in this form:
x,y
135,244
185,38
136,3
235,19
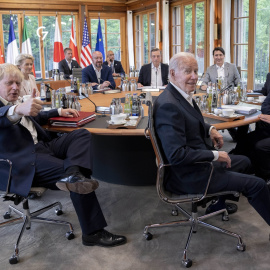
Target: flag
x,y
58,51
99,43
2,60
12,49
86,54
73,43
26,44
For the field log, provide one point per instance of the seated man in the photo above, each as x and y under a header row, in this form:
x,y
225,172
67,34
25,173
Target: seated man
x,y
256,144
115,65
40,160
67,64
266,88
220,69
100,76
154,74
181,130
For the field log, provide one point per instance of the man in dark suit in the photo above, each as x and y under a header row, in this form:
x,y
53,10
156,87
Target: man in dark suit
x,y
67,64
115,65
266,88
181,131
256,144
41,160
154,74
100,76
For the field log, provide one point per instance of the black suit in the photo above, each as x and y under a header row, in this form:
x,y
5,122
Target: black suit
x,y
117,66
44,163
63,67
181,131
146,71
256,145
266,88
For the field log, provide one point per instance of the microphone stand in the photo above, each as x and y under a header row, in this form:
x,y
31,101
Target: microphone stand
x,y
90,101
48,86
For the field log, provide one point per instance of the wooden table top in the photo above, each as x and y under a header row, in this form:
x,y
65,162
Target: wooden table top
x,y
105,100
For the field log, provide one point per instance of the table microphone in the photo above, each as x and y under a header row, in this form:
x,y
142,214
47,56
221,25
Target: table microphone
x,y
48,86
83,94
227,87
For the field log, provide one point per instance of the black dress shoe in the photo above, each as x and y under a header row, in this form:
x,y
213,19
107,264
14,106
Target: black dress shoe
x,y
103,238
231,208
76,182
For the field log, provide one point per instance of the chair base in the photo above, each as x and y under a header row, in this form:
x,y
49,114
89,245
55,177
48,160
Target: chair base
x,y
193,220
27,218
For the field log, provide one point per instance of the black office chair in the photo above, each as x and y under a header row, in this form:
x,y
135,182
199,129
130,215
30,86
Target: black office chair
x,y
192,219
26,217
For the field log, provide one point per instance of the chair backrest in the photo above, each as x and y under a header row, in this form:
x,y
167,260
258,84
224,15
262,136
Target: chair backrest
x,y
239,70
77,72
163,194
7,163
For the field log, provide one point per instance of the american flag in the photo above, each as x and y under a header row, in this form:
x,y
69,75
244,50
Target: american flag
x,y
86,54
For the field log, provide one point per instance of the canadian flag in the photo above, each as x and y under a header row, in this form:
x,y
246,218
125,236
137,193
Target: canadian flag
x,y
58,51
73,43
2,60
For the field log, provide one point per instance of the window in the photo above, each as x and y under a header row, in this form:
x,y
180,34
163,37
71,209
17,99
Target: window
x,y
145,36
176,28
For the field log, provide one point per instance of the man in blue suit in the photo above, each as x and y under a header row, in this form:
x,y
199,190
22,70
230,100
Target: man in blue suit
x,y
100,76
41,160
182,133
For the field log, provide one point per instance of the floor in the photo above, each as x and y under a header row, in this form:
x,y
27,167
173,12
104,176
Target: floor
x,y
127,210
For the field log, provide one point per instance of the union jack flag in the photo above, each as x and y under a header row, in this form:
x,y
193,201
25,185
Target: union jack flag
x,y
86,54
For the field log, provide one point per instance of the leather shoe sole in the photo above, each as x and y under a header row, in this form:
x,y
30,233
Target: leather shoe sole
x,y
81,187
231,208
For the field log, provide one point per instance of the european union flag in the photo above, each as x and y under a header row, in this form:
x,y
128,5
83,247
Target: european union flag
x,y
99,43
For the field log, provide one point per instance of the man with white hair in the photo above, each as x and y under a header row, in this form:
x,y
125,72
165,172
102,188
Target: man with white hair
x,y
181,131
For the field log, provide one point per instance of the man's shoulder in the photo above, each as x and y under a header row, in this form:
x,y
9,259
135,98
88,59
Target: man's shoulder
x,y
145,66
105,63
62,61
117,62
164,65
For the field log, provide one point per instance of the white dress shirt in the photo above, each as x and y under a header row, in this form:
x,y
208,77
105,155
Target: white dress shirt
x,y
156,79
188,98
220,71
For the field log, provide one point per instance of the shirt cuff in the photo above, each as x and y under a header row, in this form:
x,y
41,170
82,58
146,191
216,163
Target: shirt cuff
x,y
210,129
59,111
216,155
12,116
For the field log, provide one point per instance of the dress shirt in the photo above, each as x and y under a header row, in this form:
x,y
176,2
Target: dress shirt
x,y
220,71
111,66
69,64
188,98
156,79
14,118
98,73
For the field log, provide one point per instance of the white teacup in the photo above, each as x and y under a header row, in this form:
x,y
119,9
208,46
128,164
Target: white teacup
x,y
217,111
118,118
228,112
250,98
26,97
262,98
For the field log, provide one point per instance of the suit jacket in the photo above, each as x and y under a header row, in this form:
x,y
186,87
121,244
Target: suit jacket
x,y
230,71
266,88
182,134
16,144
117,66
89,75
261,126
63,67
146,71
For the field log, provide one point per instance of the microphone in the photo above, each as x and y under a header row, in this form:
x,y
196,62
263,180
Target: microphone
x,y
156,77
48,86
227,87
90,101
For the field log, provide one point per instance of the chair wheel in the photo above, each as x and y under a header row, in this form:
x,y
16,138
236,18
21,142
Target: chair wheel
x,y
174,212
70,235
187,263
58,212
241,247
148,236
225,217
14,259
7,215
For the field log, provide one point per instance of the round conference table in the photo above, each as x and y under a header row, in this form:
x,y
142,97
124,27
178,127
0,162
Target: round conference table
x,y
125,156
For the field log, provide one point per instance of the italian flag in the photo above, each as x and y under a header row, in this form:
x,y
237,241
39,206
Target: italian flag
x,y
58,51
26,44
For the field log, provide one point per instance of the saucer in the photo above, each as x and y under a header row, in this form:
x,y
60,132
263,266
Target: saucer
x,y
133,117
117,123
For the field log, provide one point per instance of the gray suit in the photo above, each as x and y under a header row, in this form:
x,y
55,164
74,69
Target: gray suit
x,y
230,71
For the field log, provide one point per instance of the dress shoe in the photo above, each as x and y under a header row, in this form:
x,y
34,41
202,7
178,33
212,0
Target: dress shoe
x,y
77,183
231,208
103,238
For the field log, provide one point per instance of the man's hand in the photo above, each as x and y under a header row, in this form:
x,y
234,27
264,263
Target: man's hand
x,y
69,113
94,84
140,85
216,138
116,74
224,157
105,84
31,107
265,118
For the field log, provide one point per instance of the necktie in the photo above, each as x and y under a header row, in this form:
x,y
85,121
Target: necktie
x,y
112,67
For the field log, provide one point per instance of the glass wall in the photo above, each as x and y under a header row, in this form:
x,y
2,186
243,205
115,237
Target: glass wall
x,y
176,28
188,28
